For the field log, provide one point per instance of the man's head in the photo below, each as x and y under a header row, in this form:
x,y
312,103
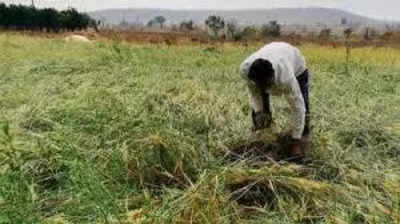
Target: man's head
x,y
262,73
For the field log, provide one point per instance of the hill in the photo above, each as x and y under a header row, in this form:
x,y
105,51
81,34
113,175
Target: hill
x,y
289,16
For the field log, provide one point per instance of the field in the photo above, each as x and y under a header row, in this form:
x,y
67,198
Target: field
x,y
111,132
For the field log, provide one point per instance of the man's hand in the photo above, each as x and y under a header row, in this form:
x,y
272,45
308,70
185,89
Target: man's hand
x,y
261,120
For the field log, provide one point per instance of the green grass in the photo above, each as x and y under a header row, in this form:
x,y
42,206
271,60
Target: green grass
x,y
111,133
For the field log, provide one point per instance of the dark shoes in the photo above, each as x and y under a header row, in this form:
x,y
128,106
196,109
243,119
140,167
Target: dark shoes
x,y
297,158
296,152
298,148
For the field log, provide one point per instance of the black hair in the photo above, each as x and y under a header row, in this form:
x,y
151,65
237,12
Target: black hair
x,y
261,72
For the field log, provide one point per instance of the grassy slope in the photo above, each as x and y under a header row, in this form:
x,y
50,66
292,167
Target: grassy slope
x,y
91,132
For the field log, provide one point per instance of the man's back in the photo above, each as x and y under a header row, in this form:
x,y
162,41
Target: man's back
x,y
286,60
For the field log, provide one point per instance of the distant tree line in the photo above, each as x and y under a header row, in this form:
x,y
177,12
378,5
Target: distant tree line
x,y
232,31
22,17
218,28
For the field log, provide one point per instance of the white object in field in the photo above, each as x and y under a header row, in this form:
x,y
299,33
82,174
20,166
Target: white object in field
x,y
77,38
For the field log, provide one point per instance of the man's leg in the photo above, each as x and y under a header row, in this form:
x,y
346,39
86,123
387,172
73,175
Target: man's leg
x,y
267,106
304,82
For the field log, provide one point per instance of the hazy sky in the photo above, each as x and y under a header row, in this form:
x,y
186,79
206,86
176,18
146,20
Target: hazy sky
x,y
383,9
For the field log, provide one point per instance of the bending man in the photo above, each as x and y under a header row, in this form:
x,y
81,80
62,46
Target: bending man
x,y
279,69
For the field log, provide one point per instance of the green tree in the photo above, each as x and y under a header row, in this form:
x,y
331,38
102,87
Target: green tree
x,y
22,17
157,21
3,15
325,33
272,29
160,20
51,19
232,30
216,24
72,20
187,25
249,32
